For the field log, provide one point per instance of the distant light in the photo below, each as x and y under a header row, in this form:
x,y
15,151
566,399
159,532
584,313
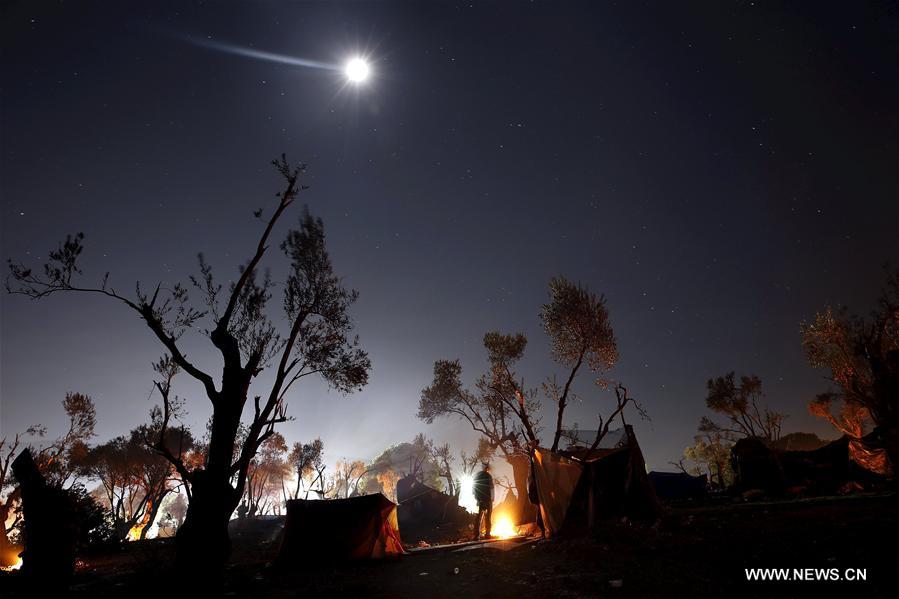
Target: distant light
x,y
466,494
357,70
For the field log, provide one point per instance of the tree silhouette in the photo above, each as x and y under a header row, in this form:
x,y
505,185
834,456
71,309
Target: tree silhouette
x,y
318,341
444,458
265,477
577,323
135,479
740,404
57,462
710,454
304,460
499,408
502,409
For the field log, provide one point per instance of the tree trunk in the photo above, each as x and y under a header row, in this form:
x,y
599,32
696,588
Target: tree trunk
x,y
50,528
202,542
155,504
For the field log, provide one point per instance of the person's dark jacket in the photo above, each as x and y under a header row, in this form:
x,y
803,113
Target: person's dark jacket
x,y
483,487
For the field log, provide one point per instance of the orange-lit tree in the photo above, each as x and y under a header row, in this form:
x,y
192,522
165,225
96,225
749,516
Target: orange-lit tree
x,y
134,479
265,477
317,340
10,495
57,462
862,355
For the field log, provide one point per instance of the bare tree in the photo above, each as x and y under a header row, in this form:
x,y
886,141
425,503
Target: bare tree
x,y
326,484
318,341
349,474
444,458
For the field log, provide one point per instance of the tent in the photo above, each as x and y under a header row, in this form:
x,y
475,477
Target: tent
x,y
578,489
357,528
822,470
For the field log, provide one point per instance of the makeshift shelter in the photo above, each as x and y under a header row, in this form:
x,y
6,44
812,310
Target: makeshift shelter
x,y
579,489
756,466
335,530
822,470
678,486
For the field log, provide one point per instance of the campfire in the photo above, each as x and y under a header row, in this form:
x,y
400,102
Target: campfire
x,y
14,566
134,533
503,527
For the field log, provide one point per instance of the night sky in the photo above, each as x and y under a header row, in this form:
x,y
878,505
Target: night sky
x,y
720,171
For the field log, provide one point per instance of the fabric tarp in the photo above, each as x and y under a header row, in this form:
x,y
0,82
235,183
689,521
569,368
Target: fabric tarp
x,y
556,477
357,528
578,489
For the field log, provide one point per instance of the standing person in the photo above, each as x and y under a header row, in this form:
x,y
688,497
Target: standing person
x,y
483,494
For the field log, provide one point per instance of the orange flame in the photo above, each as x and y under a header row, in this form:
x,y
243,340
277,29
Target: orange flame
x,y
15,566
503,527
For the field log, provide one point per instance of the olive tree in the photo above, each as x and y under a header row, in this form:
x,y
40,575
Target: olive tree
x,y
316,339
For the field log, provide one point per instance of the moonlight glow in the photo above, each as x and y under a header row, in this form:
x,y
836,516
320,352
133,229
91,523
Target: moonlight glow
x,y
357,70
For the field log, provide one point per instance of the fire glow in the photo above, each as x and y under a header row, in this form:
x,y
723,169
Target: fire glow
x,y
134,533
503,527
15,566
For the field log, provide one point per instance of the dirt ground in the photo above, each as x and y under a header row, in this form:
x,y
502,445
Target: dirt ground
x,y
693,552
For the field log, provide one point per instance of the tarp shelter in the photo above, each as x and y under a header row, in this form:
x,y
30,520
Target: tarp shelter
x,y
334,530
822,470
578,489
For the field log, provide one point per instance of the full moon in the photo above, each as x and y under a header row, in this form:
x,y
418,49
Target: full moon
x,y
357,70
